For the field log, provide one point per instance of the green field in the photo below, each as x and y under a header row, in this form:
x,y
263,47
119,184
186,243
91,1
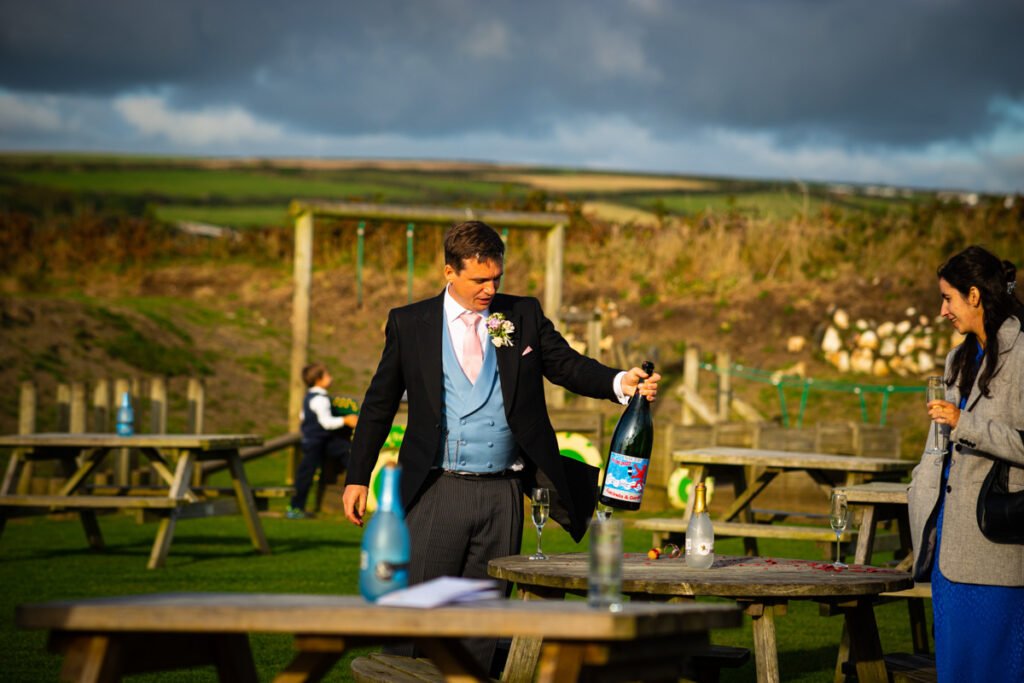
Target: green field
x,y
257,194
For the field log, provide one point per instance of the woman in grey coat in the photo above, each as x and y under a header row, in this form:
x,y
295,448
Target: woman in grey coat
x,y
977,585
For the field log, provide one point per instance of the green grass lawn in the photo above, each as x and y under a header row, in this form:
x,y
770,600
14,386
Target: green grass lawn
x,y
47,559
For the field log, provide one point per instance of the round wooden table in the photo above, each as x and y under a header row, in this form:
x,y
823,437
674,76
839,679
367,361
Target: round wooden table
x,y
762,585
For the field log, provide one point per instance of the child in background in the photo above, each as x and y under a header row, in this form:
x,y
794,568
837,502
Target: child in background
x,y
323,435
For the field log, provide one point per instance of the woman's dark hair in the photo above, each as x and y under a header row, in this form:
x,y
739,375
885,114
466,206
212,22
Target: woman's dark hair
x,y
472,240
978,267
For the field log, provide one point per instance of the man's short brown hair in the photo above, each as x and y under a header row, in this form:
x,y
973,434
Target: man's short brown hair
x,y
311,374
472,240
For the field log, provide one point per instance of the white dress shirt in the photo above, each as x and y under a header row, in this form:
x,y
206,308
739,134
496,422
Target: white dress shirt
x,y
457,331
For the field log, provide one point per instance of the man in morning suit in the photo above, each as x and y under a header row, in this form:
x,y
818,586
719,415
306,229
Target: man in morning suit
x,y
478,432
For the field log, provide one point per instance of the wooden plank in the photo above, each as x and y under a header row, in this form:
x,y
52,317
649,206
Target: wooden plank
x,y
795,460
731,577
884,492
381,668
351,615
205,491
199,442
75,502
744,529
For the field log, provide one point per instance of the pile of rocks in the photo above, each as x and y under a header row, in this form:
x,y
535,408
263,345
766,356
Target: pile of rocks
x,y
915,345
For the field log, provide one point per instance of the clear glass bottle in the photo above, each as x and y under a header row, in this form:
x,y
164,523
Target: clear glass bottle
x,y
384,558
125,416
700,535
629,455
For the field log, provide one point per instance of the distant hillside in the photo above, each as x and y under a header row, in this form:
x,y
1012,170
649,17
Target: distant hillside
x,y
98,281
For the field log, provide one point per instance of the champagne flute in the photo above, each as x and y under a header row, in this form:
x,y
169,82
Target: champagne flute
x,y
539,511
839,516
937,392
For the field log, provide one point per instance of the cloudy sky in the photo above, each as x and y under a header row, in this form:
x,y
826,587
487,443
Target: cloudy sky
x,y
926,93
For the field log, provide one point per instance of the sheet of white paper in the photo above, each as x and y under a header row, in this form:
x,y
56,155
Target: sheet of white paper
x,y
441,591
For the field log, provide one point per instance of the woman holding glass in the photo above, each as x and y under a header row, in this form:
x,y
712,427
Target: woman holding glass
x,y
977,585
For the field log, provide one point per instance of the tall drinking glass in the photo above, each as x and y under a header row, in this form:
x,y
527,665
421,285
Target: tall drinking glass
x,y
838,517
937,392
604,576
539,511
604,512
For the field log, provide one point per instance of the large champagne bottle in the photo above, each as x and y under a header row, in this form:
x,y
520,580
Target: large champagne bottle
x,y
384,560
630,454
700,536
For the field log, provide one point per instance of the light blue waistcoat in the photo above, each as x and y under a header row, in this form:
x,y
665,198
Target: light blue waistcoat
x,y
479,438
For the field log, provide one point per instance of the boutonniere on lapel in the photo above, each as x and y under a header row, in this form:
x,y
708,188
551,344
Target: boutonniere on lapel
x,y
500,329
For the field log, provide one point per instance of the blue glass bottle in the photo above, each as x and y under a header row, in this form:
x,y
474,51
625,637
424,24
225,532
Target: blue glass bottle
x,y
125,416
384,560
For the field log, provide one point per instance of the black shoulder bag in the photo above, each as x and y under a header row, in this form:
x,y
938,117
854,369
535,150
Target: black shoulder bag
x,y
1001,513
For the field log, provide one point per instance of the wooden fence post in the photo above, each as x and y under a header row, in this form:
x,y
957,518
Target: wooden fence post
x,y
122,460
26,425
158,405
77,412
27,408
63,407
196,405
101,406
723,360
691,373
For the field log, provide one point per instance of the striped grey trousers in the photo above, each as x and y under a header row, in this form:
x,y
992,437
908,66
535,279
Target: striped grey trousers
x,y
456,527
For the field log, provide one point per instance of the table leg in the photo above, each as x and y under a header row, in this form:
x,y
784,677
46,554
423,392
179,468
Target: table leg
x,y
89,658
524,653
14,468
246,502
75,477
766,650
865,535
316,657
560,662
162,542
865,646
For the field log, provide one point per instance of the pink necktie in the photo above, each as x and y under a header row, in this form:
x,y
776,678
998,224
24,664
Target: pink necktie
x,y
472,353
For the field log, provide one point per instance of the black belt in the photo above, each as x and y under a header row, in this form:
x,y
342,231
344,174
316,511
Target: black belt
x,y
504,474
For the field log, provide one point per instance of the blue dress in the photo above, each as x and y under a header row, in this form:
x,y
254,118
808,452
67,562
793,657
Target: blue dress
x,y
979,629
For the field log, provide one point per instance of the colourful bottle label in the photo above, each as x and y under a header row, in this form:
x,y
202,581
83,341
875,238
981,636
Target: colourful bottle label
x,y
626,477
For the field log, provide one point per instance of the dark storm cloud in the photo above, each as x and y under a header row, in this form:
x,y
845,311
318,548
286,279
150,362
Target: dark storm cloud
x,y
891,73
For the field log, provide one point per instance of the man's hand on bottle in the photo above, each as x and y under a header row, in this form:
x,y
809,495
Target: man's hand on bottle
x,y
649,388
354,501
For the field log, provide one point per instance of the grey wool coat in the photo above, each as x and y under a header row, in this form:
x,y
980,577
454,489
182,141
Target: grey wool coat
x,y
989,427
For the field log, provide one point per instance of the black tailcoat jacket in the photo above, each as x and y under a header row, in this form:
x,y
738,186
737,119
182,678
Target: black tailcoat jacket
x,y
411,362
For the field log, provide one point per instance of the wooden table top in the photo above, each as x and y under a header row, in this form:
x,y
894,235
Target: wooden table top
x,y
203,442
876,492
734,577
722,455
353,616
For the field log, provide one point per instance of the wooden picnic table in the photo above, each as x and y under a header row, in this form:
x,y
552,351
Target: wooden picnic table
x,y
751,470
762,586
105,638
78,456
